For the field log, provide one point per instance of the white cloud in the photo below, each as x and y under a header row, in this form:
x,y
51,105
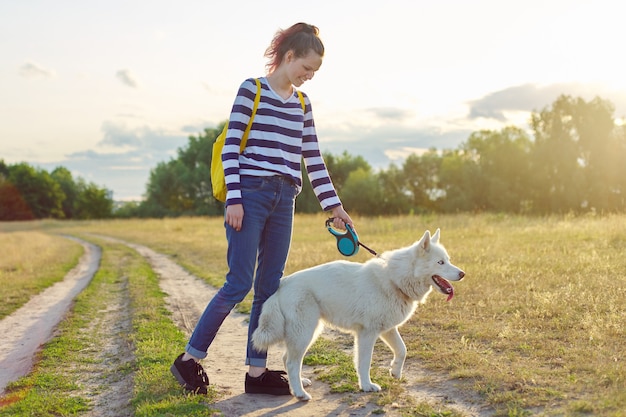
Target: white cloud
x,y
33,70
127,78
400,154
389,143
207,87
500,104
123,158
142,138
390,113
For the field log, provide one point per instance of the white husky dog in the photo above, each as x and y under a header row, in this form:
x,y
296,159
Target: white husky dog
x,y
370,300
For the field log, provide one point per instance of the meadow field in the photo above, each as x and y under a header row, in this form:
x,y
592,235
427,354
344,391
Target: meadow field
x,y
537,327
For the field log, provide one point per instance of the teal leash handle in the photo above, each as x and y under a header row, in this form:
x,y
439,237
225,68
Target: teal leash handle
x,y
347,242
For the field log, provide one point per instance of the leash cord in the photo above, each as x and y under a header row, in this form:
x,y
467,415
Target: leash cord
x,y
372,251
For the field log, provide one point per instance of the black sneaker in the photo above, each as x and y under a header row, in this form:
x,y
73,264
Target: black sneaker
x,y
270,382
190,375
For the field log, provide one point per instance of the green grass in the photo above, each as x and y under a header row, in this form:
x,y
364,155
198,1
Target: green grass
x,y
539,323
76,366
536,328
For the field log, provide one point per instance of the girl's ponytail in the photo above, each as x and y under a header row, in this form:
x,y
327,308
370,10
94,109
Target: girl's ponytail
x,y
299,38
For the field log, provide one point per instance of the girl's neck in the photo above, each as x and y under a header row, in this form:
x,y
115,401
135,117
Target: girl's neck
x,y
280,84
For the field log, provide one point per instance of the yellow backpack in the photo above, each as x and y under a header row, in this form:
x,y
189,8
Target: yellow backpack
x,y
218,181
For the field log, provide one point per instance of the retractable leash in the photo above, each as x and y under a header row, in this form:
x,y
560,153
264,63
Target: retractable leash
x,y
348,242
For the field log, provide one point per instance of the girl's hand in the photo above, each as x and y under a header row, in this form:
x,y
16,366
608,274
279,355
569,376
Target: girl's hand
x,y
234,216
341,218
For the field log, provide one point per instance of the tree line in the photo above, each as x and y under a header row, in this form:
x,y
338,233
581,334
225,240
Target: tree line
x,y
574,162
27,193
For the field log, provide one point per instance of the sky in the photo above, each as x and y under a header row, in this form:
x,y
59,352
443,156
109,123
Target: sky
x,y
109,89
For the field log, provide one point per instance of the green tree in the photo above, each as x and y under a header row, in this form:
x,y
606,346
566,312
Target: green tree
x,y
166,189
65,180
306,202
183,185
598,146
339,168
196,160
4,169
421,176
572,138
362,193
128,209
615,173
92,202
501,160
459,190
395,197
40,191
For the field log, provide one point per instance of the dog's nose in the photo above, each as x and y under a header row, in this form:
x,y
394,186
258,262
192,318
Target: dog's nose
x,y
461,275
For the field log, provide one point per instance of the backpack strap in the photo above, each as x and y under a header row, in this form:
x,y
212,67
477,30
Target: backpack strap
x,y
257,98
301,97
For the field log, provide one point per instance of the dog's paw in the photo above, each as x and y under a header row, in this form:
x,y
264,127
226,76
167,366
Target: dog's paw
x,y
371,387
304,396
396,366
306,382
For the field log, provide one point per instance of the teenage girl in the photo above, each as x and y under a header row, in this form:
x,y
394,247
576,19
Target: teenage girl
x,y
262,184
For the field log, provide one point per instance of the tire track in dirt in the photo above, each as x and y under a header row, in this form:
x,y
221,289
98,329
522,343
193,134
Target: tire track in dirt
x,y
104,378
26,329
187,296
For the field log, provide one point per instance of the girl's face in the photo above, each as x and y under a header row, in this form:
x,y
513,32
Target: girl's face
x,y
302,69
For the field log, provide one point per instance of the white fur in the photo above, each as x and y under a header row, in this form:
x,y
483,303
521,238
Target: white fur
x,y
370,300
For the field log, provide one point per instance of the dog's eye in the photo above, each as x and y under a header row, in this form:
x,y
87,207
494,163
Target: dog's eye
x,y
441,262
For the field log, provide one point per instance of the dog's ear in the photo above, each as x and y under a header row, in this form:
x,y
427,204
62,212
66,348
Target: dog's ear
x,y
424,242
435,237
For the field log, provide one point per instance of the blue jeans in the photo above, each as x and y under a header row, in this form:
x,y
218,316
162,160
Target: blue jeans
x,y
264,238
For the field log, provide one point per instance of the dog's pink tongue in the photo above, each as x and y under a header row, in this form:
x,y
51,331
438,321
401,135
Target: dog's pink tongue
x,y
445,286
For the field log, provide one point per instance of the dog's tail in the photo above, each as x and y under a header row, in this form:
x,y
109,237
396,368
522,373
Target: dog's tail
x,y
271,328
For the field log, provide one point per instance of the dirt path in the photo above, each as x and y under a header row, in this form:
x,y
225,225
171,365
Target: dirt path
x,y
26,329
187,298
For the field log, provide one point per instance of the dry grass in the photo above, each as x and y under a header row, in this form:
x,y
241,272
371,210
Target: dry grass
x,y
540,320
31,261
537,326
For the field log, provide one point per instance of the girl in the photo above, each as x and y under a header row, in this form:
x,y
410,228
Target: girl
x,y
262,184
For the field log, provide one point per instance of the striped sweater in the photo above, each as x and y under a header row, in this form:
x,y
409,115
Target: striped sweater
x,y
281,137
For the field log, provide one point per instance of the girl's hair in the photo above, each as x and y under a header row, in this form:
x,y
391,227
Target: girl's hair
x,y
299,38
